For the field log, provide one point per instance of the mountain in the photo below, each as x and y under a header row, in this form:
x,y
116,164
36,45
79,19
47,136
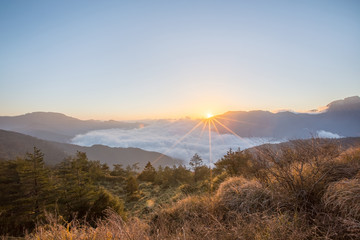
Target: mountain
x,y
56,126
341,117
14,144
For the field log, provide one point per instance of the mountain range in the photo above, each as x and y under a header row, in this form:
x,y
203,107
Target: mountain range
x,y
341,117
14,145
56,126
52,132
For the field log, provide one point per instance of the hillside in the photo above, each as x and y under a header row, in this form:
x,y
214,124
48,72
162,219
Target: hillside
x,y
56,126
342,143
14,144
306,189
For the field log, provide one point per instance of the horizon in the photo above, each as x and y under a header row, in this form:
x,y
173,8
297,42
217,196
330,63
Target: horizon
x,y
140,60
315,110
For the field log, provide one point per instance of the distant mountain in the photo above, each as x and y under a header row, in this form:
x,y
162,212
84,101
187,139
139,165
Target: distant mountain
x,y
341,117
56,126
14,144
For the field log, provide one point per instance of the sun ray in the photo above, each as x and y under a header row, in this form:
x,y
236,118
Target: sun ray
x,y
210,160
231,131
177,142
233,120
216,129
203,129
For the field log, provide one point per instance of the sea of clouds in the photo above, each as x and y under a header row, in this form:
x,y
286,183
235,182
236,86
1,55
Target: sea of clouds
x,y
163,136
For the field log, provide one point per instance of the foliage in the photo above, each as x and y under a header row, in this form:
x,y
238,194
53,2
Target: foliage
x,y
235,163
131,185
148,174
299,171
298,190
26,193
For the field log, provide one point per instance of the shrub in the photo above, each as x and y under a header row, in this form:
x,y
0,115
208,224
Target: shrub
x,y
244,196
192,216
299,171
344,197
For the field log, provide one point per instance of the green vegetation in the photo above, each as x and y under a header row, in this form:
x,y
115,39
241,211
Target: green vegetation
x,y
305,189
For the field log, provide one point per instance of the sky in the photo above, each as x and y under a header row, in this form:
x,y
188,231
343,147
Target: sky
x,y
127,60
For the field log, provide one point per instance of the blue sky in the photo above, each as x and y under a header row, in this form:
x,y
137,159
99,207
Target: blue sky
x,y
168,59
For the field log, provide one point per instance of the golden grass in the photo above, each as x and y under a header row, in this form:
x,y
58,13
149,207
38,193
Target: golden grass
x,y
113,227
244,196
344,198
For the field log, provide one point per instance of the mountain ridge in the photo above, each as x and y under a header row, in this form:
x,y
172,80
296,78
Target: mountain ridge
x,y
13,144
342,117
57,126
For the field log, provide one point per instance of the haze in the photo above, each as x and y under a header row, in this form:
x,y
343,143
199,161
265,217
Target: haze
x,y
170,59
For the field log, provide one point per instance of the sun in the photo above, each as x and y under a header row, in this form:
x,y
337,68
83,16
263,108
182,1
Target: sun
x,y
209,115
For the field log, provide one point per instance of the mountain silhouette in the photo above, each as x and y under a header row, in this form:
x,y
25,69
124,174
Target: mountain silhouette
x,y
341,117
56,126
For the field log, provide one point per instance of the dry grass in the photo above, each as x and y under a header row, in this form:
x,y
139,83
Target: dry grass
x,y
244,196
343,197
113,227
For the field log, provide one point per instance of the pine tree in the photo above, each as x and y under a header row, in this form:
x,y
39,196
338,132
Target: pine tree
x,y
12,217
76,190
148,174
35,183
195,163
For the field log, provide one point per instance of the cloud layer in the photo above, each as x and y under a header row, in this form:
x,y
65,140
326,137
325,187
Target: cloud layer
x,y
161,135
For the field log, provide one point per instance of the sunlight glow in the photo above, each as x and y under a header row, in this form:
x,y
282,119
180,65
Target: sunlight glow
x,y
209,115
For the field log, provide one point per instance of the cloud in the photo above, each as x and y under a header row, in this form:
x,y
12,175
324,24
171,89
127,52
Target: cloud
x,y
325,134
161,135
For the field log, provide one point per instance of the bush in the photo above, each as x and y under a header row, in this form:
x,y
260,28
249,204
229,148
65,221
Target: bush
x,y
193,217
343,197
244,196
299,171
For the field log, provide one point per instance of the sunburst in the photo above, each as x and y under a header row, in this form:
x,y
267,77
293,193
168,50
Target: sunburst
x,y
210,122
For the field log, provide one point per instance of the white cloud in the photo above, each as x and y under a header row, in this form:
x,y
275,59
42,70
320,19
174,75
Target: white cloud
x,y
325,134
159,136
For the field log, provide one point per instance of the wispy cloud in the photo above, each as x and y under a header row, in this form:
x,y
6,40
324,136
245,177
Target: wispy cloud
x,y
161,135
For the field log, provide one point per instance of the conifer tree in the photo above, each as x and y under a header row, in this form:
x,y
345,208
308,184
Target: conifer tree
x,y
76,191
148,174
34,178
12,217
196,163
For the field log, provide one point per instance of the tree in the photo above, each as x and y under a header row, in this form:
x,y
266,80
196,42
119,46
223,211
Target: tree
x,y
12,216
148,174
76,189
234,163
35,183
132,170
196,163
131,185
